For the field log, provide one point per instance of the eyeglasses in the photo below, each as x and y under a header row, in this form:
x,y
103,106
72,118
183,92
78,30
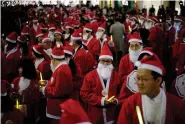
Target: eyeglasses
x,y
134,46
106,61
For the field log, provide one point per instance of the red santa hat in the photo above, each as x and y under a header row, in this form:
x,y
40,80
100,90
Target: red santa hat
x,y
135,37
73,113
69,25
38,49
25,30
106,53
76,35
133,17
88,27
147,50
21,39
35,20
152,63
12,37
76,23
58,31
51,27
4,87
58,52
153,19
39,33
46,37
43,26
68,50
103,26
91,16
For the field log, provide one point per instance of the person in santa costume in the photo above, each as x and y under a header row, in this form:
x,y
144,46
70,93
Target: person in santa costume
x,y
98,86
60,86
51,30
103,38
73,113
93,22
9,114
59,37
76,71
92,43
68,32
82,57
39,36
126,65
154,104
33,29
24,86
41,64
23,46
12,56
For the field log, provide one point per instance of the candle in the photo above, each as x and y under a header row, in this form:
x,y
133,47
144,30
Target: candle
x,y
41,77
110,98
129,28
139,115
17,103
111,37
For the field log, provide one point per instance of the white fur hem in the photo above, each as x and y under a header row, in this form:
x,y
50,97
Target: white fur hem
x,y
84,123
43,90
52,116
103,101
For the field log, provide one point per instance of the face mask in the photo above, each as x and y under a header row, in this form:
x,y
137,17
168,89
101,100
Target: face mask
x,y
5,48
52,67
99,35
133,55
105,70
85,36
67,60
51,35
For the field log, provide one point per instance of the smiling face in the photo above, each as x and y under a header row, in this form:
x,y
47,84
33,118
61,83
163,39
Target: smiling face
x,y
147,85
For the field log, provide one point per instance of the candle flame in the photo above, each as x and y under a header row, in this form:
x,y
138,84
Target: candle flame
x,y
17,103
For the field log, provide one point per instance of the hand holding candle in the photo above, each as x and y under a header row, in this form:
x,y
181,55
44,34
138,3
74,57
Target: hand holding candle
x,y
139,115
41,81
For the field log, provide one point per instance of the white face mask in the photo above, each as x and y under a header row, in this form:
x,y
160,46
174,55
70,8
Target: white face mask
x,y
133,55
85,36
52,67
105,70
67,60
5,48
51,35
99,35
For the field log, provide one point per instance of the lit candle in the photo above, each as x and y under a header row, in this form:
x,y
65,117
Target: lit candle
x,y
111,37
41,77
17,103
129,28
139,115
111,98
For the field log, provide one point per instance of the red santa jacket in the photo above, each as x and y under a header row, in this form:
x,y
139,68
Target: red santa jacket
x,y
84,59
12,117
29,93
175,110
43,66
170,36
91,93
12,63
176,46
94,47
125,67
58,89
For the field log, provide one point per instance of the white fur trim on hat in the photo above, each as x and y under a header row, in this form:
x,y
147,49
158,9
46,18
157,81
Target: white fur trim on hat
x,y
84,123
144,51
137,63
39,35
37,51
106,57
45,39
68,52
131,40
69,27
150,67
87,29
35,20
76,38
11,41
101,28
24,33
57,32
51,28
57,57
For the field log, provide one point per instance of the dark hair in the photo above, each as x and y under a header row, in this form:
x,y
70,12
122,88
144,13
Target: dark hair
x,y
24,46
37,55
79,42
72,66
155,75
28,68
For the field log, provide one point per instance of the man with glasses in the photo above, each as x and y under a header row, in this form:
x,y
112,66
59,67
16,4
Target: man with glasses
x,y
98,87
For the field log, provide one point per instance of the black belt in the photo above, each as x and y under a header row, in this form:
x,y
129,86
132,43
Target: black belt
x,y
64,97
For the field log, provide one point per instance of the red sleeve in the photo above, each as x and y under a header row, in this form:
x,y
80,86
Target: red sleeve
x,y
122,69
87,94
63,85
15,84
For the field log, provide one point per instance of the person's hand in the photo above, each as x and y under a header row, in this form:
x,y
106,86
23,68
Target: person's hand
x,y
110,103
110,43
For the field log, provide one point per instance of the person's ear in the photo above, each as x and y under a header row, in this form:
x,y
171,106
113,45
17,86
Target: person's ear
x,y
159,81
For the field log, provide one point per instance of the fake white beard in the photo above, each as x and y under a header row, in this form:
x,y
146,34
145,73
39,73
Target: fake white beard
x,y
99,35
105,71
35,26
23,84
5,49
133,55
67,60
51,35
66,36
52,67
85,36
148,25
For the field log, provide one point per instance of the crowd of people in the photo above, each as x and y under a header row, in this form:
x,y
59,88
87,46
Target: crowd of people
x,y
69,65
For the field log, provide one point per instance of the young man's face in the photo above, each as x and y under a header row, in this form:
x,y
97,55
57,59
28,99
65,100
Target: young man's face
x,y
147,85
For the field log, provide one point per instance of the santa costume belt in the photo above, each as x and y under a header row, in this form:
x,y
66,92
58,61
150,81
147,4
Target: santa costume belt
x,y
64,97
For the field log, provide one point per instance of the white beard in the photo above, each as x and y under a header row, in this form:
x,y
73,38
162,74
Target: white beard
x,y
66,36
85,36
99,35
105,71
5,49
133,55
35,27
23,84
67,60
148,25
51,35
52,67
